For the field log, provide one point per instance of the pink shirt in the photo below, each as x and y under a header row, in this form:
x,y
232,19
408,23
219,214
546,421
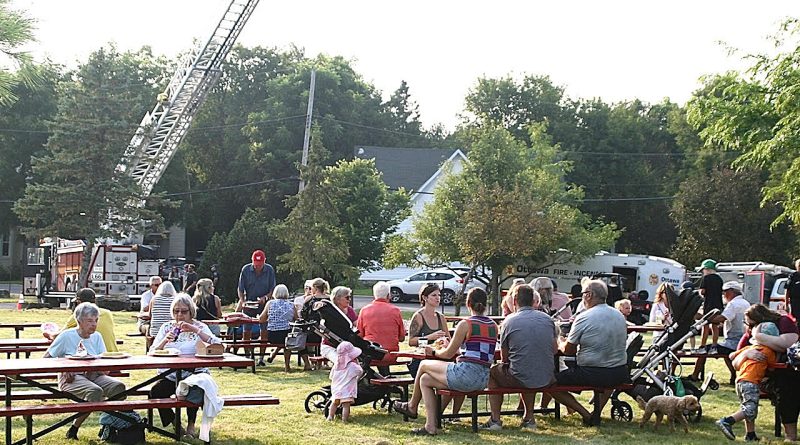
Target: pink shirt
x,y
381,322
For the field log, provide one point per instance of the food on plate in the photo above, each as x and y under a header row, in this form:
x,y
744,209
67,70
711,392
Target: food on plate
x,y
113,354
162,352
440,343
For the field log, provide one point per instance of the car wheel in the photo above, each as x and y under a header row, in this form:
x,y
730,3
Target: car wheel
x,y
395,295
448,296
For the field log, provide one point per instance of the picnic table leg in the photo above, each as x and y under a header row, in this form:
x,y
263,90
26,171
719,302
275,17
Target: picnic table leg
x,y
558,410
474,414
778,430
29,430
438,411
8,405
732,370
597,408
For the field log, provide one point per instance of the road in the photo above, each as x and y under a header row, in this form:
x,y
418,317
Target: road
x,y
360,301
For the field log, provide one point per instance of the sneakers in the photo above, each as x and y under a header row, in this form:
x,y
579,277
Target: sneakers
x,y
72,433
751,437
261,362
493,425
712,350
726,428
528,425
701,350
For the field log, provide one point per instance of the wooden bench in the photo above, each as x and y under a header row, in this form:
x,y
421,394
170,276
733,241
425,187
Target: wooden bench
x,y
28,412
26,350
556,410
251,345
50,376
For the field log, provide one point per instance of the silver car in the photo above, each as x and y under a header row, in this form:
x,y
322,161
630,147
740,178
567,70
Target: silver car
x,y
450,282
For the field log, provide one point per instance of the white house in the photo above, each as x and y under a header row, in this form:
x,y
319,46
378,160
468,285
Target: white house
x,y
419,171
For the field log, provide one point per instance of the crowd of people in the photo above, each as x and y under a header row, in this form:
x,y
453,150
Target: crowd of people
x,y
533,352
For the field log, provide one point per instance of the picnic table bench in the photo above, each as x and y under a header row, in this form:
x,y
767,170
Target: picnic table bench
x,y
556,410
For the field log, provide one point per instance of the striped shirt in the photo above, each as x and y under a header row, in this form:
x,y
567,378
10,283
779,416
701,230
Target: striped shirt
x,y
160,312
481,341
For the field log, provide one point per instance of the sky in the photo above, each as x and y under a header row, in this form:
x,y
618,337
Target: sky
x,y
613,49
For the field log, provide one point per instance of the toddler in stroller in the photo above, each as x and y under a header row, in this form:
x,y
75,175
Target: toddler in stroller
x,y
324,318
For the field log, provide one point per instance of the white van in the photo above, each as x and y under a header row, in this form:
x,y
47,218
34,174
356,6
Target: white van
x,y
640,272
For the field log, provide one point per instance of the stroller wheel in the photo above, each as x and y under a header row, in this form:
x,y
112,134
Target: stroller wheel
x,y
316,401
713,384
694,416
622,411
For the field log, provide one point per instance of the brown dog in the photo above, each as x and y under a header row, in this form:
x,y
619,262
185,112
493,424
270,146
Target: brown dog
x,y
670,406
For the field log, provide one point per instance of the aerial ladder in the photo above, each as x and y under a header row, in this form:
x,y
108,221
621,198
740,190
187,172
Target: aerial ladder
x,y
151,149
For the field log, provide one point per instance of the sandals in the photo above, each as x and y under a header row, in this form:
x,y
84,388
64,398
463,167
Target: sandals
x,y
402,408
422,432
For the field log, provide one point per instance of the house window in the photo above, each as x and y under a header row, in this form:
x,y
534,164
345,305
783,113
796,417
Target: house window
x,y
4,243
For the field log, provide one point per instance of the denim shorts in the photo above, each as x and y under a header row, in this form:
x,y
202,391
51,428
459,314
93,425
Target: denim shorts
x,y
467,376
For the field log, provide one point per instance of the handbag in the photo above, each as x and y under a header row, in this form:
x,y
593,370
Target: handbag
x,y
296,340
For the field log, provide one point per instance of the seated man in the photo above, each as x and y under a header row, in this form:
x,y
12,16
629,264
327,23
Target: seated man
x,y
105,321
528,348
92,386
597,339
381,322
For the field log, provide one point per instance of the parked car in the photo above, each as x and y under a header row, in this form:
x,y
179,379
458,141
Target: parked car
x,y
450,282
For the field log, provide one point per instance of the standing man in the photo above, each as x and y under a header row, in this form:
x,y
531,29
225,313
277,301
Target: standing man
x,y
381,321
144,304
793,293
215,274
711,290
256,282
190,282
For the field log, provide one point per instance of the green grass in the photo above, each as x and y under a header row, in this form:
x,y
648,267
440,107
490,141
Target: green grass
x,y
288,423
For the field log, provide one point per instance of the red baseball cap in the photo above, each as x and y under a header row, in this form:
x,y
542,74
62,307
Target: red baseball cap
x,y
258,257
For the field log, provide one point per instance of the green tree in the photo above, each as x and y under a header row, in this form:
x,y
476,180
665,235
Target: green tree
x,y
756,116
509,202
77,191
718,216
16,30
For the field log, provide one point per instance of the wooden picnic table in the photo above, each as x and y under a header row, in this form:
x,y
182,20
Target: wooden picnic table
x,y
646,328
19,327
25,370
232,323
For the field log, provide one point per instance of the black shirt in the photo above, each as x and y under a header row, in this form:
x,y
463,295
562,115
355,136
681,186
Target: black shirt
x,y
712,283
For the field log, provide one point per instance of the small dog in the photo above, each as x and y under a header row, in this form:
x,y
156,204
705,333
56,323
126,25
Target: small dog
x,y
673,407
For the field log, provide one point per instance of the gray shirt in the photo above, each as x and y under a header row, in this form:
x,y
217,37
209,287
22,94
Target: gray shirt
x,y
600,334
529,336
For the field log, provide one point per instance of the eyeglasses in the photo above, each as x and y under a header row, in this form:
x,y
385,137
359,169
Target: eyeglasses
x,y
180,311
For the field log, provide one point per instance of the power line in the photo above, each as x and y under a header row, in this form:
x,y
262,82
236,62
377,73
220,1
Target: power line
x,y
235,186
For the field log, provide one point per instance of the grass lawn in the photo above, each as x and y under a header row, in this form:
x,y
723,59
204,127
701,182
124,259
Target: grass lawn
x,y
288,423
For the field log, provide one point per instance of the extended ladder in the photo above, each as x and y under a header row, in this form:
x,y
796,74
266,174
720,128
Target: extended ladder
x,y
162,130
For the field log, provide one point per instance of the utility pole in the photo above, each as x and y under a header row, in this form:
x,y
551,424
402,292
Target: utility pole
x,y
307,135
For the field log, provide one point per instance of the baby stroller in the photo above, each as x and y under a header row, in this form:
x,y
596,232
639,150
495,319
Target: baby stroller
x,y
330,323
654,374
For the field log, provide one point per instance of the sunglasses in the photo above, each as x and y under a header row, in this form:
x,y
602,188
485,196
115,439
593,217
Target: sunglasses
x,y
180,311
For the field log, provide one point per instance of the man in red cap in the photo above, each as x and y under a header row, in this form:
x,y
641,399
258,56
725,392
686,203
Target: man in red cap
x,y
256,282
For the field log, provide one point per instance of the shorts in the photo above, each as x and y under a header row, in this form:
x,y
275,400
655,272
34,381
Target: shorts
x,y
748,393
254,328
594,376
277,337
500,377
467,376
711,304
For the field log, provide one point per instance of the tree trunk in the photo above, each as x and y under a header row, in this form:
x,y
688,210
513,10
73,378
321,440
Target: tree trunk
x,y
460,297
83,278
494,294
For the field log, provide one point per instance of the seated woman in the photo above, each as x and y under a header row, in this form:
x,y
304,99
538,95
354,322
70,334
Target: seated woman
x,y
277,314
209,306
160,307
91,386
659,312
475,340
427,324
182,333
507,306
340,297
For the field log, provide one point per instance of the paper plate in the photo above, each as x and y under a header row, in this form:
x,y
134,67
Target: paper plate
x,y
209,355
81,357
169,353
114,356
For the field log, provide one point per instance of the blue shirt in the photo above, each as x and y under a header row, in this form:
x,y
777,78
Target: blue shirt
x,y
256,285
67,344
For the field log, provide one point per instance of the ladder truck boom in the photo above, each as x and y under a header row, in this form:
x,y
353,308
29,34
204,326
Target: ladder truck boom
x,y
162,129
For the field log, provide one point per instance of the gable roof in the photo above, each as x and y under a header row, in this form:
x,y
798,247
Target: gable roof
x,y
410,168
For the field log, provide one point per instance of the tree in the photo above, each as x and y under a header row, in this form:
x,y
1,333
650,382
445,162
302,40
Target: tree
x,y
77,191
16,29
337,224
756,116
718,216
509,202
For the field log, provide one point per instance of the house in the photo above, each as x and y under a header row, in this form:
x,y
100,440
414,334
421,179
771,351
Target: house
x,y
419,171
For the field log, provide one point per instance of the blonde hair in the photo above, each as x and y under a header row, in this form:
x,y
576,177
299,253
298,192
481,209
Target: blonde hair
x,y
619,303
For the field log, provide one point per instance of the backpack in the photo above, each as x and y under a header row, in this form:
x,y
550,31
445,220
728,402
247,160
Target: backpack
x,y
125,432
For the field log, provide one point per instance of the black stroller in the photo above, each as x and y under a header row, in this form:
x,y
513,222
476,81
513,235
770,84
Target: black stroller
x,y
331,324
655,373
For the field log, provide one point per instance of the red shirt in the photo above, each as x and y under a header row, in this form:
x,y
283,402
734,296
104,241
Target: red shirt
x,y
381,322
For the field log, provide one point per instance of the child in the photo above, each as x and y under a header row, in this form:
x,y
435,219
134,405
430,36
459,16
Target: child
x,y
625,307
344,379
750,373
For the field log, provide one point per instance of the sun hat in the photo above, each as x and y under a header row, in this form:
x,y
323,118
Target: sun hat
x,y
708,264
346,353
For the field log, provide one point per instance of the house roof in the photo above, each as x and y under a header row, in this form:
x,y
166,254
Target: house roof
x,y
405,167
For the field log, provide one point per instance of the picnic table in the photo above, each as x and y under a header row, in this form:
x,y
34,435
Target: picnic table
x,y
231,323
25,370
646,328
19,327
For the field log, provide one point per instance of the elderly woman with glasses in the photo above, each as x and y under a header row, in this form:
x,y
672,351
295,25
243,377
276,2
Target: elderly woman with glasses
x,y
84,339
182,334
340,297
